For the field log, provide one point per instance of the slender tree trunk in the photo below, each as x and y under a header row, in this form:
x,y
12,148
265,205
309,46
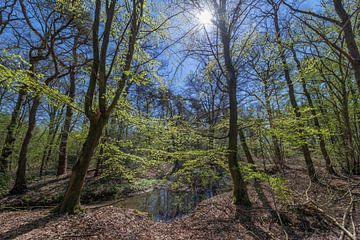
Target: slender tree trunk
x,y
10,136
48,142
240,194
347,134
245,147
99,162
356,132
20,181
279,160
63,153
99,117
71,202
350,39
239,187
64,135
211,137
322,143
51,146
291,91
4,90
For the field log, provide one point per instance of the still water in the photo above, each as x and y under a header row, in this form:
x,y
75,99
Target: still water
x,y
164,204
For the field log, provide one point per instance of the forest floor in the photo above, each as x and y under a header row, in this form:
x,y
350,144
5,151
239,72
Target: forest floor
x,y
215,218
47,192
310,214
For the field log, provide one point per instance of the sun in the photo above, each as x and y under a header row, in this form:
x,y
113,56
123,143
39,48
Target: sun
x,y
205,17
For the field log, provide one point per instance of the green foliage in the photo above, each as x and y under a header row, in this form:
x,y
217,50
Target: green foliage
x,y
277,184
141,184
14,77
104,189
75,8
296,130
4,184
157,144
120,163
200,167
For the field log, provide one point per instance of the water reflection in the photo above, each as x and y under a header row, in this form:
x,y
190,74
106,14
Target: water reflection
x,y
164,204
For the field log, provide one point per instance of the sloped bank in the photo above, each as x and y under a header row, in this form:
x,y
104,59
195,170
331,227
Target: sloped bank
x,y
214,218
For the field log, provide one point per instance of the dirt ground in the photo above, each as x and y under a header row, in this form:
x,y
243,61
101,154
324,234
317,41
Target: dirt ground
x,y
310,214
215,218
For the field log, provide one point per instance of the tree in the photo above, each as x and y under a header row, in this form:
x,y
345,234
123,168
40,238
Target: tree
x,y
226,27
291,91
98,114
322,143
62,159
263,71
345,26
6,13
47,41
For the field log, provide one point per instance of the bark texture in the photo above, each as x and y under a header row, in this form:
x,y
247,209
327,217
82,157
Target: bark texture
x,y
291,91
240,194
322,143
10,138
65,130
20,181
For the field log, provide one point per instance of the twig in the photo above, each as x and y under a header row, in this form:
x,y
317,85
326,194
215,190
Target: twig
x,y
332,219
344,222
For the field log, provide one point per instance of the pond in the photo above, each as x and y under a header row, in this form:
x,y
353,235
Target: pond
x,y
166,205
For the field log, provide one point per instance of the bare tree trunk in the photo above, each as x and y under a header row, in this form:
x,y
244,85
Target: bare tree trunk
x,y
322,143
71,202
350,39
245,147
347,135
64,135
99,117
20,181
304,147
49,141
10,137
278,156
211,140
240,194
50,146
4,90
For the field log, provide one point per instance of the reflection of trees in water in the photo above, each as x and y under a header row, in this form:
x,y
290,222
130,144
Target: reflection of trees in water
x,y
165,205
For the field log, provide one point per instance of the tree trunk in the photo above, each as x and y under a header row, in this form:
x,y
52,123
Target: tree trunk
x,y
350,39
64,135
245,147
99,117
20,181
4,90
63,153
347,135
304,147
71,202
10,137
240,194
211,138
278,157
279,161
49,141
322,143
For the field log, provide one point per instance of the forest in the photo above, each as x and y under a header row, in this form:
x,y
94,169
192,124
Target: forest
x,y
180,119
